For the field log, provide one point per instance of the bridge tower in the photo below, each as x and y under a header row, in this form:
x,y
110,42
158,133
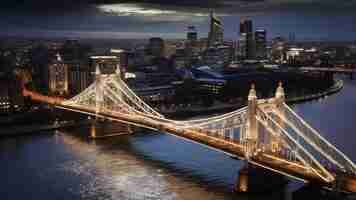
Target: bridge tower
x,y
250,176
251,133
118,71
99,97
279,101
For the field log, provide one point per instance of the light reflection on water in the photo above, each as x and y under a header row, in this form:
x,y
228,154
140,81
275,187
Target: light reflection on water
x,y
133,172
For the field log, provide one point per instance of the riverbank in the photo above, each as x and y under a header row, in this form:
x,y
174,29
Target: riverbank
x,y
338,85
224,107
30,129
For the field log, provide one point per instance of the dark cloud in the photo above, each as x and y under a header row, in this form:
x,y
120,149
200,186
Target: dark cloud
x,y
168,18
239,5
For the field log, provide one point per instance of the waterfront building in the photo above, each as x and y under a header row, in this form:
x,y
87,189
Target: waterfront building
x,y
156,93
11,98
278,50
216,33
241,47
155,47
136,57
211,86
218,57
208,80
153,86
122,57
169,49
302,57
58,76
39,62
261,44
180,60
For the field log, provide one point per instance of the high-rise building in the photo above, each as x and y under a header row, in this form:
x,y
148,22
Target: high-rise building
x,y
218,57
79,76
156,47
246,39
216,34
261,44
122,57
241,47
192,35
278,49
246,26
180,58
58,76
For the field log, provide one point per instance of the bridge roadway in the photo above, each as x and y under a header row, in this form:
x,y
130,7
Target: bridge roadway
x,y
231,147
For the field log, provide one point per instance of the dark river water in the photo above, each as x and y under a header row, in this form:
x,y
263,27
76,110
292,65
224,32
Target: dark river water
x,y
148,165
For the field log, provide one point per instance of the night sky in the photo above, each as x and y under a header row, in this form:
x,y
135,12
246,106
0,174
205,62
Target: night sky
x,y
308,19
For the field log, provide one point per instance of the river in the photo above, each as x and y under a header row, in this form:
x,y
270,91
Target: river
x,y
148,165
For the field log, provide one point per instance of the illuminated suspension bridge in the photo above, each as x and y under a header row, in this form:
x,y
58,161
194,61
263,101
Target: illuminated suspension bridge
x,y
266,133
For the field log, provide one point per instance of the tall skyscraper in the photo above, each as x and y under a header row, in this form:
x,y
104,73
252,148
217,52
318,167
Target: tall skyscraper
x,y
261,46
216,34
246,39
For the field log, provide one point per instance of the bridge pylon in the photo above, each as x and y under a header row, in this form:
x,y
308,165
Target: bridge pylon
x,y
251,133
99,96
279,100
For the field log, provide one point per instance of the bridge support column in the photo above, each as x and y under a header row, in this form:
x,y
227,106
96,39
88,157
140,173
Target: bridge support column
x,y
93,129
242,180
311,191
253,179
101,128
